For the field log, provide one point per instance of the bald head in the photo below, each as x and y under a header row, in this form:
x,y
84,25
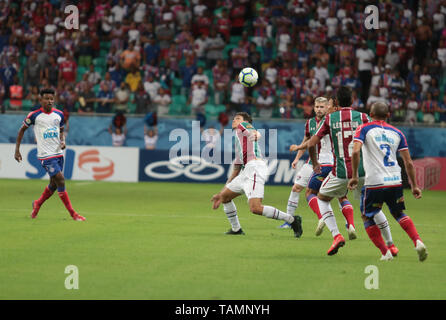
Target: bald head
x,y
379,111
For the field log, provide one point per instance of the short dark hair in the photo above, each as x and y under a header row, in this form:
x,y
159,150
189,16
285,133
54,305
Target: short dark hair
x,y
246,116
46,91
344,97
380,110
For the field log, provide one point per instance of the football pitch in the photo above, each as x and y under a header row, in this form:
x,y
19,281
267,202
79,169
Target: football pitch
x,y
163,241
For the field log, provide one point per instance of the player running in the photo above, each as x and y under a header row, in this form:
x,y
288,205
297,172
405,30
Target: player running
x,y
48,129
249,176
312,180
380,142
340,126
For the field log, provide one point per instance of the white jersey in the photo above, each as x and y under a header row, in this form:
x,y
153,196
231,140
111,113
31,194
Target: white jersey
x,y
324,148
47,132
381,142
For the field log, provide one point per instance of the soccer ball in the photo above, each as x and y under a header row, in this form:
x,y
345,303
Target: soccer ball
x,y
248,77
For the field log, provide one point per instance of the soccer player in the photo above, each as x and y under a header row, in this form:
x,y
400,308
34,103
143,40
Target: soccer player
x,y
340,126
48,129
312,180
249,176
380,142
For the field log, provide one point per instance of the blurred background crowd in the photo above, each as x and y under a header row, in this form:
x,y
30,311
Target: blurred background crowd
x,y
182,57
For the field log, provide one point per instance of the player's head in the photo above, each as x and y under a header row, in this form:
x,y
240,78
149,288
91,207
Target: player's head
x,y
47,98
344,97
379,111
320,107
239,118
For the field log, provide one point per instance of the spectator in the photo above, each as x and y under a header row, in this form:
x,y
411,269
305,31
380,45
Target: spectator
x,y
33,72
162,101
237,16
187,72
68,69
307,107
365,57
130,58
16,94
200,77
374,97
118,138
321,74
143,100
221,82
238,93
398,113
214,48
264,104
150,138
133,79
86,99
117,74
93,76
151,86
429,108
224,25
122,95
198,97
105,99
164,35
412,108
152,52
441,110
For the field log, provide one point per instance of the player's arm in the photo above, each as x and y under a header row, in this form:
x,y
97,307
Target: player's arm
x,y
300,153
20,134
312,143
235,172
62,138
410,170
356,158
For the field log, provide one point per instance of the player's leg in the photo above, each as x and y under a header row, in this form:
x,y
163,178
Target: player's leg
x,y
230,210
371,203
331,187
301,182
47,193
395,202
347,211
256,207
63,194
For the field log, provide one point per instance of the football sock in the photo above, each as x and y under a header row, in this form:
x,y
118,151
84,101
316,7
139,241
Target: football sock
x,y
328,216
273,213
47,193
293,201
382,223
231,213
407,224
66,201
375,235
347,211
312,202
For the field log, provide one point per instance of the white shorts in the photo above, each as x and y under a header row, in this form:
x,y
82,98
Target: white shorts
x,y
335,187
251,180
304,175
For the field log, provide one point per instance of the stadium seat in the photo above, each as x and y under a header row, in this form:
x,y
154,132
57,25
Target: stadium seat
x,y
27,105
175,109
179,99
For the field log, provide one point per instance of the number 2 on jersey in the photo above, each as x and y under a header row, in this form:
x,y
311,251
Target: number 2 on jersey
x,y
387,163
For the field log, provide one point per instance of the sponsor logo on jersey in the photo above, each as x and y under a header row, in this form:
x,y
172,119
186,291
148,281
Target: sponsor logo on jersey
x,y
51,133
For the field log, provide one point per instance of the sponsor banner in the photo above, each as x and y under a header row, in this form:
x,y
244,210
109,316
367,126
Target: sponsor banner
x,y
156,166
80,163
430,173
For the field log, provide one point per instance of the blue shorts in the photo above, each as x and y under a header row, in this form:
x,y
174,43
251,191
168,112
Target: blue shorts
x,y
372,200
53,166
317,179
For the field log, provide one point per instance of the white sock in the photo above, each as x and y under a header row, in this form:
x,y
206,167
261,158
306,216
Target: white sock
x,y
382,223
328,216
231,213
273,213
293,201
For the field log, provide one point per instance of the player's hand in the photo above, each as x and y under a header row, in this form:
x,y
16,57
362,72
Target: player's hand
x,y
416,192
352,183
317,168
216,199
295,147
255,135
63,145
18,156
294,163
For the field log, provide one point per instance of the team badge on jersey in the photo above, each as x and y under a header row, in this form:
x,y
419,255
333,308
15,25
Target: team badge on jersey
x,y
28,121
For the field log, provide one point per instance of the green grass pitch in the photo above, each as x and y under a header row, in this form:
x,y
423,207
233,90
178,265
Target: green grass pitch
x,y
163,241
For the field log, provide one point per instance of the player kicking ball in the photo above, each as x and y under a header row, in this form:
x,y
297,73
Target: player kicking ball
x,y
380,142
312,180
249,176
48,125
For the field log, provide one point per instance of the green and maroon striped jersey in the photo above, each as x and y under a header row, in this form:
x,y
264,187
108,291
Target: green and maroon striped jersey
x,y
341,126
245,150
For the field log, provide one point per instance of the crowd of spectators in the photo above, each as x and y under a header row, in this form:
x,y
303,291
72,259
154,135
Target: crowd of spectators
x,y
148,56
